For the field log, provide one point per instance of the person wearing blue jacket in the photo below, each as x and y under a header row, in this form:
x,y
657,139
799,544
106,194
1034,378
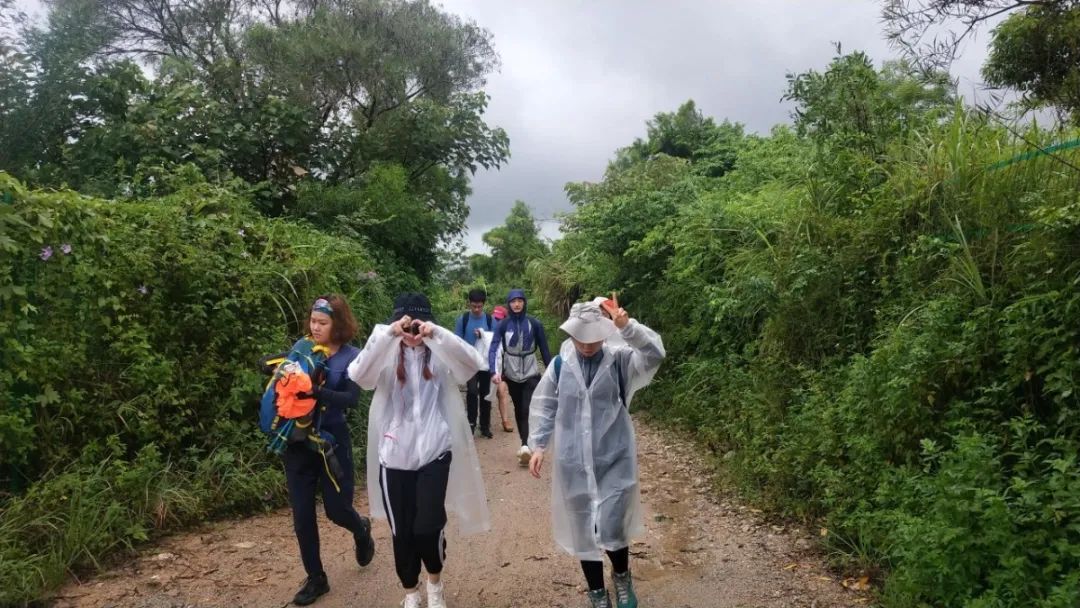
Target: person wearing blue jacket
x,y
512,358
332,325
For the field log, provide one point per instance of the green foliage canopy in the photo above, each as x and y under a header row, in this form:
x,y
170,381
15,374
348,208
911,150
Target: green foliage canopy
x,y
1035,52
513,245
275,101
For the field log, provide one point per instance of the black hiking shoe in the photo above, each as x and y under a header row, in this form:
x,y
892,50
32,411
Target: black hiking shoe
x,y
487,433
365,544
315,586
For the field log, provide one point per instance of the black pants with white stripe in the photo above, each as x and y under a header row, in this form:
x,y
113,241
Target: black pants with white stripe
x,y
415,504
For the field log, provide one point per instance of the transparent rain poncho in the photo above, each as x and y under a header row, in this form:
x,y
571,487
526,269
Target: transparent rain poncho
x,y
453,362
589,443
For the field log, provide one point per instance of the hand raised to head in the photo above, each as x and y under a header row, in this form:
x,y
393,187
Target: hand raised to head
x,y
619,316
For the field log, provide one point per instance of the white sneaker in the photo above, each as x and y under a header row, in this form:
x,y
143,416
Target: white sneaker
x,y
435,595
524,455
412,600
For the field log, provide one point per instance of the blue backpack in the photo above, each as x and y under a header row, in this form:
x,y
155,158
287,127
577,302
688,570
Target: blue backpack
x,y
311,358
557,364
283,431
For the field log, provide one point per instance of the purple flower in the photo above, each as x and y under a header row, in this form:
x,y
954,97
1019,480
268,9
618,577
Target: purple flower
x,y
371,275
46,253
143,290
66,248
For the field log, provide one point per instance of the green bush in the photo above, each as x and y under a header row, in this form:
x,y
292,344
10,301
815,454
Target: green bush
x,y
888,347
129,386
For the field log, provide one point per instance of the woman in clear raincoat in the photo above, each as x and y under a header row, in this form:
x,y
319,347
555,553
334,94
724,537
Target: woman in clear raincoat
x,y
420,455
580,413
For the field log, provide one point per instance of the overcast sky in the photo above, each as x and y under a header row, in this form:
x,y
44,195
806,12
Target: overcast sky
x,y
580,78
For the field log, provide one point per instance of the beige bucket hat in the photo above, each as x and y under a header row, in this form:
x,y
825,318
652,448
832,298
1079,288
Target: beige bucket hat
x,y
588,324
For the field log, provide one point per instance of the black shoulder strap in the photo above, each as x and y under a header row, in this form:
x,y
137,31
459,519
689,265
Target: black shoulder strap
x,y
464,324
465,321
533,323
622,387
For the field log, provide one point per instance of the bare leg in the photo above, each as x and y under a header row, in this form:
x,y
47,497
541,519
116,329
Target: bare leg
x,y
503,395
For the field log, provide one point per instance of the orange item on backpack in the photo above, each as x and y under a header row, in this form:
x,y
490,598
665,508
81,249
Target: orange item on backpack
x,y
287,387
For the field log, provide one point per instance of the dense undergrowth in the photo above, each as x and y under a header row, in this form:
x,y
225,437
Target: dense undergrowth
x,y
132,332
875,326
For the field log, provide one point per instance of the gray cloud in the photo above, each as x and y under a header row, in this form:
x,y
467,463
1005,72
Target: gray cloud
x,y
579,79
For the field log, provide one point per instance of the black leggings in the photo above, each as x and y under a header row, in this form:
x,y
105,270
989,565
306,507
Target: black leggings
x,y
594,571
414,502
521,394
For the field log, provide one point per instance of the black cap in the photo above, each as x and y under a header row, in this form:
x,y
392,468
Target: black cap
x,y
416,305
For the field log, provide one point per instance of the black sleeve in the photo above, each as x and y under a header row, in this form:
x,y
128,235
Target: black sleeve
x,y
541,342
344,399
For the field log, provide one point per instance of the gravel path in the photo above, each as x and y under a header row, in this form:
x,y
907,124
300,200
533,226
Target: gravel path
x,y
702,549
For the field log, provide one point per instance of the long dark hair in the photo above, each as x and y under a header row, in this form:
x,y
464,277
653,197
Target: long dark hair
x,y
401,364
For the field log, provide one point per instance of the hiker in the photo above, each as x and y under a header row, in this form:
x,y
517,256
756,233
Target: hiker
x,y
420,455
500,394
513,357
332,325
471,327
581,409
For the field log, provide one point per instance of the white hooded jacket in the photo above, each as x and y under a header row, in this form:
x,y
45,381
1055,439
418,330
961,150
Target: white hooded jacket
x,y
453,362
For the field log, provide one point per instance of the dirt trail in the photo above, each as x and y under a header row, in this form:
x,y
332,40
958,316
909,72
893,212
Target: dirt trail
x,y
701,550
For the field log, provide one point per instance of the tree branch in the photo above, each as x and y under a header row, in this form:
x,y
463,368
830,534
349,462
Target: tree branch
x,y
909,22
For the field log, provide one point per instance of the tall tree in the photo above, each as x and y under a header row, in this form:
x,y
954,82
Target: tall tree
x,y
853,113
513,245
852,104
1037,52
298,102
686,133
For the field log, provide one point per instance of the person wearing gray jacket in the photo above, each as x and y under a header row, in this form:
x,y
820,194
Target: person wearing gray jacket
x,y
512,357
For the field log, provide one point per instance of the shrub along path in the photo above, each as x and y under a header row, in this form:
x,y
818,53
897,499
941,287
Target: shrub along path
x,y
702,549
